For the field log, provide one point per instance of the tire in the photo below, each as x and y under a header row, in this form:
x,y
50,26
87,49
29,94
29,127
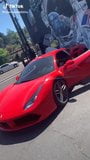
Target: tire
x,y
1,72
70,89
60,91
15,65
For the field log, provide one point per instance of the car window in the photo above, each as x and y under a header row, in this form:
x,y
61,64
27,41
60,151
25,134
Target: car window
x,y
4,65
37,69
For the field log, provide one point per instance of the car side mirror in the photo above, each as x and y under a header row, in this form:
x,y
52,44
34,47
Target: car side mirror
x,y
68,63
17,78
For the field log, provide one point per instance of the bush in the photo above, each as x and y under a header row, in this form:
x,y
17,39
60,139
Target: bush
x,y
3,56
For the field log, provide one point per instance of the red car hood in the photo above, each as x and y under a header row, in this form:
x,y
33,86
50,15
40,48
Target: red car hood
x,y
14,98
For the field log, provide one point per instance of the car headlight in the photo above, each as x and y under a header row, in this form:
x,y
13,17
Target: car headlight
x,y
33,98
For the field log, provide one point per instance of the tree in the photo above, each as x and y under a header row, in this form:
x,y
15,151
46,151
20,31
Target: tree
x,y
12,37
3,56
2,40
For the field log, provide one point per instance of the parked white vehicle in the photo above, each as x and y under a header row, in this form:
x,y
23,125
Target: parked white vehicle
x,y
8,66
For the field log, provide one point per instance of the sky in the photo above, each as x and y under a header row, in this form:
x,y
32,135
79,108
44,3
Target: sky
x,y
5,20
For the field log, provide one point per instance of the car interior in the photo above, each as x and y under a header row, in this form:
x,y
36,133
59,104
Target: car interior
x,y
62,57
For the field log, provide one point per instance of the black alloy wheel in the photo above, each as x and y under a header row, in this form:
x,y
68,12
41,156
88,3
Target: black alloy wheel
x,y
60,91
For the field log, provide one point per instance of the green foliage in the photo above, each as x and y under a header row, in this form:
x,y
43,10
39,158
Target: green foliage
x,y
8,44
12,47
3,56
1,42
3,52
12,37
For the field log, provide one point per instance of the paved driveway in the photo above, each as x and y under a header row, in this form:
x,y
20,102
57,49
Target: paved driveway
x,y
65,135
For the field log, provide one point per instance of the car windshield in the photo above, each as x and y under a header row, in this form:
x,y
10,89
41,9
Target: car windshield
x,y
37,69
4,65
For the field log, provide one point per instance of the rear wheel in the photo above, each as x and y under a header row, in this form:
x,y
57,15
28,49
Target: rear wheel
x,y
60,91
1,72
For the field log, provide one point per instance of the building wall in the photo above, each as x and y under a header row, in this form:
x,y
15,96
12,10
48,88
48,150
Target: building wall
x,y
66,22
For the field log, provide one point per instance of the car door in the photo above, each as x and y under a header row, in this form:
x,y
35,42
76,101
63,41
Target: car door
x,y
83,62
5,67
77,69
11,66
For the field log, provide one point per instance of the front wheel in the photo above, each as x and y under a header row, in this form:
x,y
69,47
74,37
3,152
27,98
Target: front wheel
x,y
15,65
60,91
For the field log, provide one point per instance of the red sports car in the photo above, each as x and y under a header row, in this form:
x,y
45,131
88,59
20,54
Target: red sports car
x,y
42,86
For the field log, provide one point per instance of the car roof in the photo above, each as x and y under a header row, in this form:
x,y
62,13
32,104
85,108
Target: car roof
x,y
51,53
4,64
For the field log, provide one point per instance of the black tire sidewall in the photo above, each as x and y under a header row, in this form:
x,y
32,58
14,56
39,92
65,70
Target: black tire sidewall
x,y
58,103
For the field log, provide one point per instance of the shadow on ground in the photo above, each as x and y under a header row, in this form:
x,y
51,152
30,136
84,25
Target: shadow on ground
x,y
27,134
84,87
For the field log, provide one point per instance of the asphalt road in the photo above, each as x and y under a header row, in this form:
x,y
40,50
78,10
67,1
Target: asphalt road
x,y
10,76
63,136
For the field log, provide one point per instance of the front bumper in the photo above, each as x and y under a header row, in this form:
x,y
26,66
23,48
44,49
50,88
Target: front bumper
x,y
41,109
20,123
